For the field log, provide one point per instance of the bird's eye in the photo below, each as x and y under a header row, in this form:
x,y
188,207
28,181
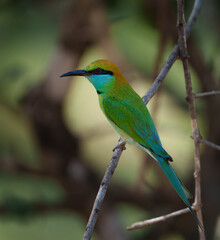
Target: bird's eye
x,y
98,70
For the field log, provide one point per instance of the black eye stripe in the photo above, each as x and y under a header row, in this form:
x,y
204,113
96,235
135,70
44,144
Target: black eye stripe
x,y
100,72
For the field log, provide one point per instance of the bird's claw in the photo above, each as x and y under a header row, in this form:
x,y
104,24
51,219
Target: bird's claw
x,y
121,145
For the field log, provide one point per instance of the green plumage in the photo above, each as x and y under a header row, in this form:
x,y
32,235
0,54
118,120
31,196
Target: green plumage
x,y
131,119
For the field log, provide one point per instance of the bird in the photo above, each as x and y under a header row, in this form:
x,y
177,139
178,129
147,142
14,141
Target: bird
x,y
128,114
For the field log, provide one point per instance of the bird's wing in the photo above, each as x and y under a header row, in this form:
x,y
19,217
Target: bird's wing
x,y
133,118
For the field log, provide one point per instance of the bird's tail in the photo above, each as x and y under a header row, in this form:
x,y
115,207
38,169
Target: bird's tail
x,y
178,186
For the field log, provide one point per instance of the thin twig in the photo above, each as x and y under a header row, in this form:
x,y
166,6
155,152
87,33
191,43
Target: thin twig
x,y
101,193
174,54
205,94
150,93
155,220
210,144
192,110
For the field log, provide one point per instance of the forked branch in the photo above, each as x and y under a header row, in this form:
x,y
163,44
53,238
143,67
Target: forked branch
x,y
192,111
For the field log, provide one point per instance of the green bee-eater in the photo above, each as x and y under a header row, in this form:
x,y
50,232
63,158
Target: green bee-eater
x,y
128,114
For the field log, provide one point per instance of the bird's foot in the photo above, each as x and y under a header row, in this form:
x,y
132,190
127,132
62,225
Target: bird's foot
x,y
121,144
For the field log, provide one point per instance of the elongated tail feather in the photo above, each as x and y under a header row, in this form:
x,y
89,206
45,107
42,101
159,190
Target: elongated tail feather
x,y
186,191
178,186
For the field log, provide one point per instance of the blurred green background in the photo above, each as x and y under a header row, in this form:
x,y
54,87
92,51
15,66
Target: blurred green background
x,y
29,35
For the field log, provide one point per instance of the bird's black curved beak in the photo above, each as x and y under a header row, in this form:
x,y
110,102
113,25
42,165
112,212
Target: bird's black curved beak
x,y
75,73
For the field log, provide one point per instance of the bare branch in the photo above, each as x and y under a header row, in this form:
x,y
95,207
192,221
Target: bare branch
x,y
155,220
210,144
192,110
101,193
173,56
205,94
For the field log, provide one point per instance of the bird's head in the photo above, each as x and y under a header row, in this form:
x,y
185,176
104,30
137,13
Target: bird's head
x,y
103,74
